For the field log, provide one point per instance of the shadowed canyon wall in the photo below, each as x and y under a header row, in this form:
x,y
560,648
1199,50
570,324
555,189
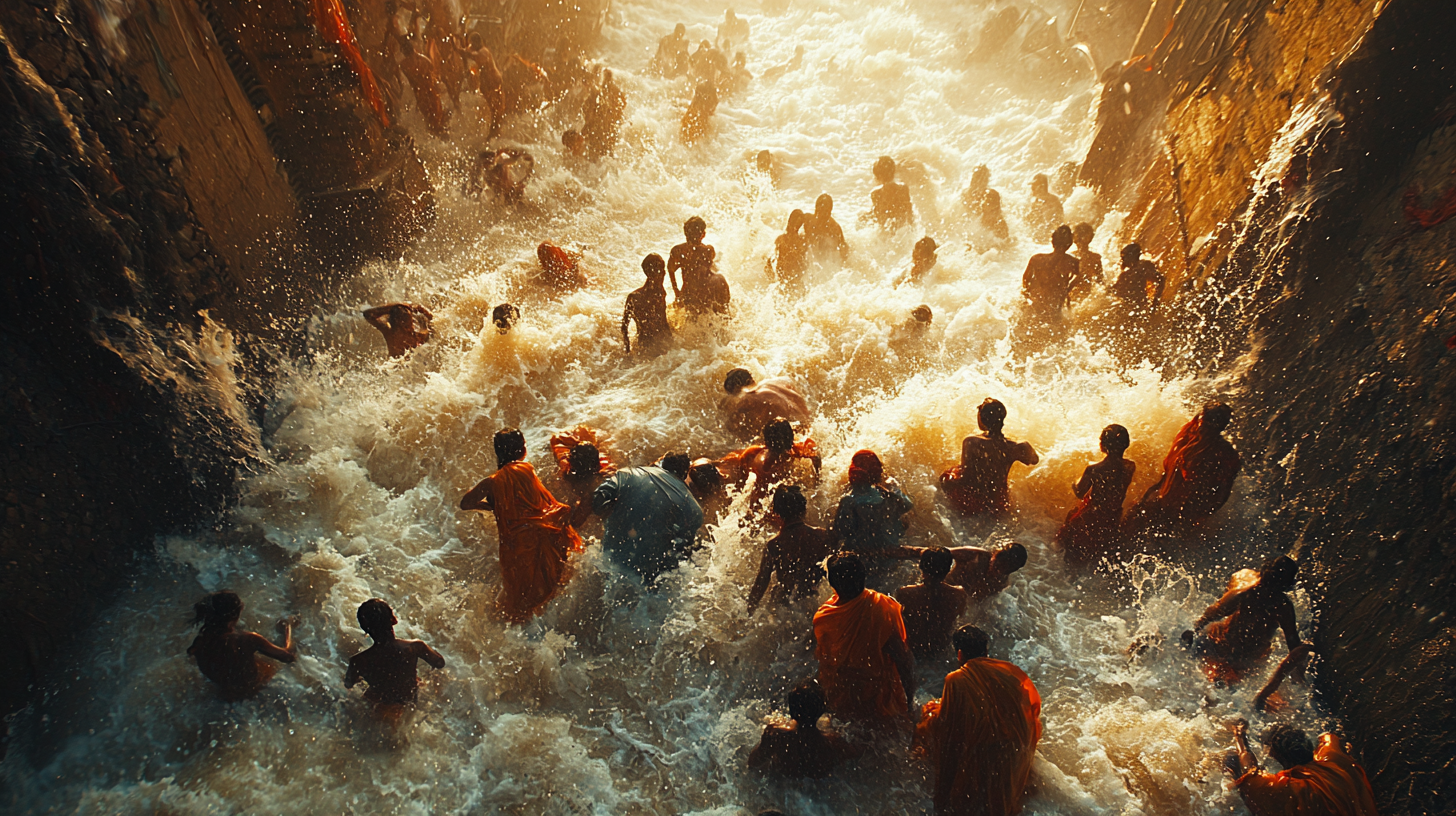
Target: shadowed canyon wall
x,y
1299,192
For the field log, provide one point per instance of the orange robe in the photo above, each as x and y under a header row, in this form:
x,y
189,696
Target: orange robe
x,y
562,444
1332,785
1198,476
535,539
422,77
981,736
859,679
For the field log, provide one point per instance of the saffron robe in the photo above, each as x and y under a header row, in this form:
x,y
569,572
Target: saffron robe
x,y
1332,785
981,736
859,679
1198,475
536,538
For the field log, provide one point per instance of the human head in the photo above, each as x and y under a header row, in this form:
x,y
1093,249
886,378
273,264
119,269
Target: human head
x,y
474,41
218,611
1131,254
1062,238
925,250
789,503
653,268
695,228
935,564
510,445
1039,184
504,316
922,314
865,469
571,139
991,415
1288,745
846,575
737,380
980,177
376,618
1114,440
1279,573
884,170
677,464
796,221
740,60
991,203
778,435
607,75
704,45
1082,234
806,703
680,30
1216,416
764,161
1009,559
584,461
729,16
704,476
824,206
971,642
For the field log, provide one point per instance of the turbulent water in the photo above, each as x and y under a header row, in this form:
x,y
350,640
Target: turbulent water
x,y
616,702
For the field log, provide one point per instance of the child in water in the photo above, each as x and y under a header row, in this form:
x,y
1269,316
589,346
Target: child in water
x,y
389,665
228,657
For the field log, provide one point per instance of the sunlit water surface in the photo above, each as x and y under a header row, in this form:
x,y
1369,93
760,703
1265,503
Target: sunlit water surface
x,y
615,702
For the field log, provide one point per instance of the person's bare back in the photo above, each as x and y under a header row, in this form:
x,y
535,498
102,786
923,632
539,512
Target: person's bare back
x,y
404,325
986,462
754,405
796,554
930,611
389,665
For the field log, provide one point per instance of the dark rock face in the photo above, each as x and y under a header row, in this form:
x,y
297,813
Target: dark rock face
x,y
1329,286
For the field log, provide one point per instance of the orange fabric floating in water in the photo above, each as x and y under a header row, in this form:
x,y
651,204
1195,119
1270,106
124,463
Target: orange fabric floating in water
x,y
859,679
333,25
981,736
535,540
1332,785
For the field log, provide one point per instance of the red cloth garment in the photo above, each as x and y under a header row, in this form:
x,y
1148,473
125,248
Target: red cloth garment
x,y
1332,785
536,538
1198,475
333,25
859,679
981,737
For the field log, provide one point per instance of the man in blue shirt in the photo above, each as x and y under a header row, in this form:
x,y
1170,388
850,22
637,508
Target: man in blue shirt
x,y
650,519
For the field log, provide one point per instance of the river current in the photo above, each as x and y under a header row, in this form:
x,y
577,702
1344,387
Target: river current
x,y
616,702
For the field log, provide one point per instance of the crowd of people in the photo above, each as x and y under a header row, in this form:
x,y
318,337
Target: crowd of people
x,y
981,733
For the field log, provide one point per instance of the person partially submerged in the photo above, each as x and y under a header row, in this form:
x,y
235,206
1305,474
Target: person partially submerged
x,y
1316,781
404,325
1198,476
560,271
890,205
979,571
1241,624
231,659
794,555
866,670
647,305
922,260
1092,529
751,405
772,462
791,253
388,666
800,749
978,486
695,260
931,607
826,238
650,518
583,466
869,519
1046,282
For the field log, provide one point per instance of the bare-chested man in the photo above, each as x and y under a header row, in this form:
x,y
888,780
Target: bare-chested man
x,y
1139,287
772,462
1047,280
648,306
931,607
796,554
1089,264
980,572
671,59
230,658
1241,624
404,325
826,238
791,253
978,485
750,405
801,750
695,259
389,665
1044,211
922,260
890,205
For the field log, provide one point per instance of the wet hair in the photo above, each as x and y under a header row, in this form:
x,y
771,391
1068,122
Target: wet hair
x,y
824,202
971,641
607,75
652,265
992,414
217,611
764,160
504,316
796,220
925,246
695,228
1062,237
885,169
1083,232
846,574
935,564
704,474
806,703
865,469
677,464
737,379
375,617
1216,415
778,435
789,503
1289,745
1012,557
1131,253
922,314
1114,439
510,445
1279,573
584,460
570,138
474,40
992,202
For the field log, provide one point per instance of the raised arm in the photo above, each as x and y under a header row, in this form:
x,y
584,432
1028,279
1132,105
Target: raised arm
x,y
430,656
283,654
478,498
1242,760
